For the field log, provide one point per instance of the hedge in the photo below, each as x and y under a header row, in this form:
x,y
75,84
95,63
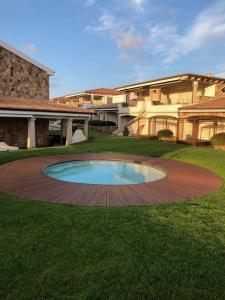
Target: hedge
x,y
218,139
101,123
164,133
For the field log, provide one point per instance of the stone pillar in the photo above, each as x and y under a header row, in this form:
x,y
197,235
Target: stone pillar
x,y
69,131
195,92
149,127
180,129
63,130
31,138
195,127
101,116
86,128
127,97
119,123
154,127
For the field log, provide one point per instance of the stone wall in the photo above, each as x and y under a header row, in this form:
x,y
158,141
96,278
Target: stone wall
x,y
19,78
42,132
13,131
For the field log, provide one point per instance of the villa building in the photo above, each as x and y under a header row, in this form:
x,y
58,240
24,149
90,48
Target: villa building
x,y
100,96
25,108
164,103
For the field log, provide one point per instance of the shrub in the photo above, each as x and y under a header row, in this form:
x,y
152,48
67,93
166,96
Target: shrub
x,y
101,123
165,133
126,132
218,139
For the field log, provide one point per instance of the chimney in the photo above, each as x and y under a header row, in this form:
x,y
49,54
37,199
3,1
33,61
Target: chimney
x,y
210,74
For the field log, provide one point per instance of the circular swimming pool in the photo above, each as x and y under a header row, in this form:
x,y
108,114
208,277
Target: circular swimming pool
x,y
104,172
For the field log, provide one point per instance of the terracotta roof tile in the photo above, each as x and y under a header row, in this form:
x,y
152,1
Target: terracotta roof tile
x,y
103,91
213,103
189,75
112,105
11,103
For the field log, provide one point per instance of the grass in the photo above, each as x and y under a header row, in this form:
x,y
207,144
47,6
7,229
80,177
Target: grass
x,y
176,251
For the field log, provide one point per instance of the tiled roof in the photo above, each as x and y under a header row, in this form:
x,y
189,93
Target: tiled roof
x,y
11,103
103,91
188,75
99,91
109,106
214,103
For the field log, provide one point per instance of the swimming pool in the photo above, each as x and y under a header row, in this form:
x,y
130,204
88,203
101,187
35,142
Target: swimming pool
x,y
104,172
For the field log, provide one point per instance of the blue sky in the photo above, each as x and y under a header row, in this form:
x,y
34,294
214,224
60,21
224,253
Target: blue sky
x,y
96,43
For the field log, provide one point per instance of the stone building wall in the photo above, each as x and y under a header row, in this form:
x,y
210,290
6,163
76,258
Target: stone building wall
x,y
20,78
13,131
42,132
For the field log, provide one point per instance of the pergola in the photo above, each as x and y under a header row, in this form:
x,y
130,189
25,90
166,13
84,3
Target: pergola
x,y
31,110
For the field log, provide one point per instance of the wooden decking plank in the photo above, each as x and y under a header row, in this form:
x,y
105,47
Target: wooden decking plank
x,y
25,178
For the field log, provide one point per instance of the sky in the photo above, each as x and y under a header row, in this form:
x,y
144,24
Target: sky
x,y
108,43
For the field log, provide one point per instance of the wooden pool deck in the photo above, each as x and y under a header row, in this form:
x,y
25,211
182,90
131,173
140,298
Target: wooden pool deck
x,y
25,178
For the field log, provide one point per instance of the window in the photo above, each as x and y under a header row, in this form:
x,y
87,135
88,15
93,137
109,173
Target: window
x,y
109,100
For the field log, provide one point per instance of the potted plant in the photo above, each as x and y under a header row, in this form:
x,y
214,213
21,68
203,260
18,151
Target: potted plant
x,y
165,135
218,141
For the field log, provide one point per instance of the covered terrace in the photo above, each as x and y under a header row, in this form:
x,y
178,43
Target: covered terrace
x,y
25,122
199,122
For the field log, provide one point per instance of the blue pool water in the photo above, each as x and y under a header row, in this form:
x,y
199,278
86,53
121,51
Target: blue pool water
x,y
104,172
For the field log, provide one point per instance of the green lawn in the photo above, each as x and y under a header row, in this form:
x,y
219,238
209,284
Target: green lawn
x,y
176,251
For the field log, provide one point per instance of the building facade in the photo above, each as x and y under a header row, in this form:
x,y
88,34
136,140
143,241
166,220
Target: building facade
x,y
25,108
21,76
95,97
155,105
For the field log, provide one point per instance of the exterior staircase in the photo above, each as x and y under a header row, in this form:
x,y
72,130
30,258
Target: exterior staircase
x,y
119,131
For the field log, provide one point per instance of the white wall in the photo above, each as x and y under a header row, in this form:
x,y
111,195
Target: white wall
x,y
210,91
119,98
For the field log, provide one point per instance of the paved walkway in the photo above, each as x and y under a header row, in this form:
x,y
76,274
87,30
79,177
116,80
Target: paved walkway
x,y
25,178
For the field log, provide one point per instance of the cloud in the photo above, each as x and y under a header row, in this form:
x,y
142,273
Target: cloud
x,y
87,3
208,27
130,40
142,72
140,38
137,4
90,3
106,22
30,49
121,32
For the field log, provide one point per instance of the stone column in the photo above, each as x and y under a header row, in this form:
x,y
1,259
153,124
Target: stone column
x,y
86,128
119,123
195,92
92,98
154,126
69,131
31,138
195,127
63,130
149,127
180,129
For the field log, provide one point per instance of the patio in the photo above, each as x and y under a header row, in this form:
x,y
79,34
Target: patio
x,y
25,178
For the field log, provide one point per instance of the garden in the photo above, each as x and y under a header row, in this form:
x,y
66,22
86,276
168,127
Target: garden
x,y
172,251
